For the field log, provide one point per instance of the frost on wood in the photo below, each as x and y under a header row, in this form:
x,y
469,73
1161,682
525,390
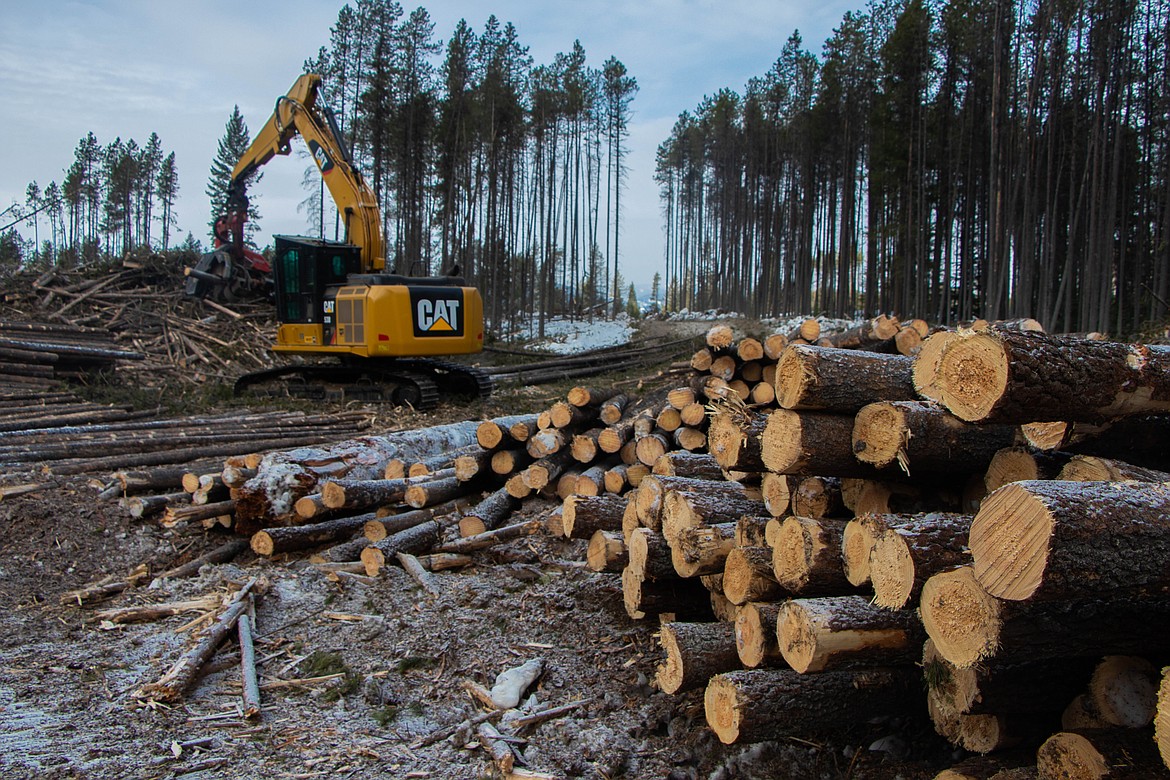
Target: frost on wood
x,y
283,477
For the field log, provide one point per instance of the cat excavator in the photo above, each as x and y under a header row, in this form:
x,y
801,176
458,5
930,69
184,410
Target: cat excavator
x,y
335,299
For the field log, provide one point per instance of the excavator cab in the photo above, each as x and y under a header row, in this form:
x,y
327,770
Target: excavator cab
x,y
325,304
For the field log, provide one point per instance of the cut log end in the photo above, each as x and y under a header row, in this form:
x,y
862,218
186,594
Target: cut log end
x,y
973,375
1071,755
960,616
262,543
880,434
891,571
1162,719
1009,542
720,703
856,549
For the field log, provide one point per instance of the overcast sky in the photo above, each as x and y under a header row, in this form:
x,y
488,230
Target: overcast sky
x,y
125,68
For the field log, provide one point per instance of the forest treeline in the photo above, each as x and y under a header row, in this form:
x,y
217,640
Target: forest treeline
x,y
107,203
482,158
976,158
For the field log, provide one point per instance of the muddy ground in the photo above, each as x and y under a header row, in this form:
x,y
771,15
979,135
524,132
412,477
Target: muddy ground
x,y
66,682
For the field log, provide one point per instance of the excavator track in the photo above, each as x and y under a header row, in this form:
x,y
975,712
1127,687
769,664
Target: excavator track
x,y
414,382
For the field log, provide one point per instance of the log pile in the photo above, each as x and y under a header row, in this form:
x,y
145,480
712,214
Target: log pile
x,y
858,496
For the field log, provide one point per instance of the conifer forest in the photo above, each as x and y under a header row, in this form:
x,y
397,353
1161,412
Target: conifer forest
x,y
942,160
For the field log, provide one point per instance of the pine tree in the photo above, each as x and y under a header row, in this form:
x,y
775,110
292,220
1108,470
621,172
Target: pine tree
x,y
232,145
167,186
632,307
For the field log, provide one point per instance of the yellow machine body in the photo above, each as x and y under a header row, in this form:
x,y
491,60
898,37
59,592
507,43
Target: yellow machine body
x,y
390,320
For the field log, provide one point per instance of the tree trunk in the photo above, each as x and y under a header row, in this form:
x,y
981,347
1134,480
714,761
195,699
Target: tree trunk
x,y
1059,540
1039,688
777,492
709,503
607,552
1016,464
755,705
747,576
1089,468
874,335
818,497
282,539
735,440
694,465
695,652
840,380
488,514
419,539
650,556
686,599
836,632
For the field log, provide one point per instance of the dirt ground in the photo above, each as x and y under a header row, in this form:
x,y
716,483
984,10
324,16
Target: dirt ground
x,y
66,682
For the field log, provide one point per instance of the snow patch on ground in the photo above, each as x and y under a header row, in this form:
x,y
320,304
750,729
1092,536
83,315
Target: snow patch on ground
x,y
569,337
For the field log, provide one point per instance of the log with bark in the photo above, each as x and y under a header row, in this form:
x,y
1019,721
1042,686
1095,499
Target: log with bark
x,y
777,492
283,477
968,625
755,634
818,497
924,437
887,496
1022,377
182,674
1046,539
747,576
1116,754
652,490
708,503
417,539
282,539
696,465
755,705
734,436
488,514
695,652
585,515
702,549
686,599
906,553
1090,468
1123,691
875,335
607,552
840,380
806,556
383,525
1027,688
1016,464
811,443
837,632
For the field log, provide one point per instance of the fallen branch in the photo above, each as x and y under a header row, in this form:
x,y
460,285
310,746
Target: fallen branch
x,y
179,677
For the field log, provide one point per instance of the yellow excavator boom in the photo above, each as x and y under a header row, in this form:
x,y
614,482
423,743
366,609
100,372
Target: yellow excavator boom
x,y
301,113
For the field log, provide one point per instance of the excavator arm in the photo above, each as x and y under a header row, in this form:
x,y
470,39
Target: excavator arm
x,y
301,113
